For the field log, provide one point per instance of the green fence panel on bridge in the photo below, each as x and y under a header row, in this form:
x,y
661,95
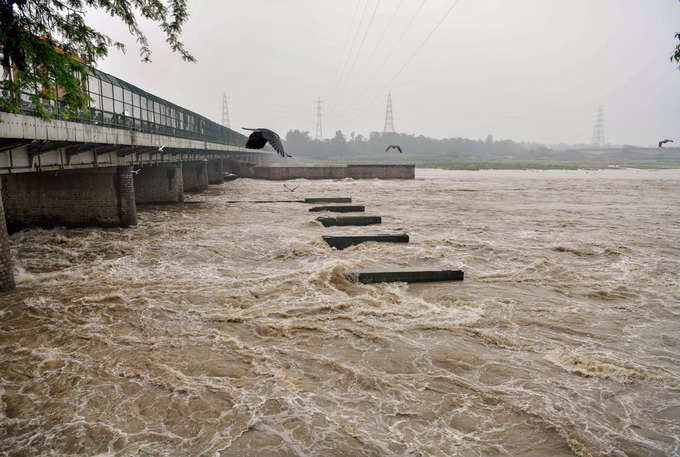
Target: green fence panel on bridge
x,y
117,103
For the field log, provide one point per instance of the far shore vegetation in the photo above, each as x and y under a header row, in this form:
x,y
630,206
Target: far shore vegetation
x,y
469,154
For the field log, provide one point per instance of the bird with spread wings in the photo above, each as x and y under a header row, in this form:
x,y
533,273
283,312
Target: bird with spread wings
x,y
662,142
261,136
394,146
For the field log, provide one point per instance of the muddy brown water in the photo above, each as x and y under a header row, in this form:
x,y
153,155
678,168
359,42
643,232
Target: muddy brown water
x,y
228,329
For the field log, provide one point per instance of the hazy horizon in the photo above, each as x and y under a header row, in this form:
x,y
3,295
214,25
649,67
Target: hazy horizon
x,y
526,71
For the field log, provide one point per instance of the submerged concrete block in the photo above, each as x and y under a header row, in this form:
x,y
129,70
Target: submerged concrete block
x,y
328,200
404,275
349,220
340,209
342,242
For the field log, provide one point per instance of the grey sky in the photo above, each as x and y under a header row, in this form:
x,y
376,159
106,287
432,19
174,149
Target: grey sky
x,y
533,70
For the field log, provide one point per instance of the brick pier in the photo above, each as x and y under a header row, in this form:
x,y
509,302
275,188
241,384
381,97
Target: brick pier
x,y
215,171
195,176
159,184
102,197
6,273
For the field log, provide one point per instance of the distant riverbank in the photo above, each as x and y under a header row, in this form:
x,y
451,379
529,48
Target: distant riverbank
x,y
539,159
516,164
538,165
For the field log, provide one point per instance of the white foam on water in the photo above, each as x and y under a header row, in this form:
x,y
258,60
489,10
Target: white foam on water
x,y
229,330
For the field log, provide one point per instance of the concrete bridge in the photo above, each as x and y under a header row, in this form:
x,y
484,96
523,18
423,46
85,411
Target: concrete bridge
x,y
131,147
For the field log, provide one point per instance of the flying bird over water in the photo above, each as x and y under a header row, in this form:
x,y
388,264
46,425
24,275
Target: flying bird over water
x,y
662,142
395,146
260,137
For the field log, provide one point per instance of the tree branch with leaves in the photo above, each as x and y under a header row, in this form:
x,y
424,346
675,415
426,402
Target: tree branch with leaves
x,y
48,48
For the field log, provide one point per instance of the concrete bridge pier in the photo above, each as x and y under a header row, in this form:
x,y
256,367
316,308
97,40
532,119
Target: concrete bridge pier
x,y
195,176
6,273
215,171
103,197
162,183
237,167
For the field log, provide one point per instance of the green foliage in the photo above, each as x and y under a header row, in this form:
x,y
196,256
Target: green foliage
x,y
417,149
469,154
46,44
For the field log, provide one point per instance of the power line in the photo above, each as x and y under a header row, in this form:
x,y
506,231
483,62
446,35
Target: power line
x,y
347,48
387,28
403,34
405,30
363,40
349,53
436,27
418,49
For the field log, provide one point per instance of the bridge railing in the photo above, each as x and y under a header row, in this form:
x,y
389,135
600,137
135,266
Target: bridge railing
x,y
117,103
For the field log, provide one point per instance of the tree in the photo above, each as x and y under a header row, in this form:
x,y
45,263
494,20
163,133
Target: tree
x,y
47,48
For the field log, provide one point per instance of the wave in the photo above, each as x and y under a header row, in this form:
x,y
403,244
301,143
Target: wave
x,y
590,366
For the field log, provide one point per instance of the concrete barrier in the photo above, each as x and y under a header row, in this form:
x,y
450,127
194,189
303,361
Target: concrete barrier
x,y
339,209
404,275
328,200
381,171
349,220
342,172
342,242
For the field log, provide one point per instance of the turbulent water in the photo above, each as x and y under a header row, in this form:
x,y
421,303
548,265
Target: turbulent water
x,y
228,329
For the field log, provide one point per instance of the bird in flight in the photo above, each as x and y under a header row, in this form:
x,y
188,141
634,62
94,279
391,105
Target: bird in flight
x,y
662,142
394,146
161,148
260,137
290,189
136,172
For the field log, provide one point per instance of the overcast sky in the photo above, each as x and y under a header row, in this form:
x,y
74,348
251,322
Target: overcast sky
x,y
527,70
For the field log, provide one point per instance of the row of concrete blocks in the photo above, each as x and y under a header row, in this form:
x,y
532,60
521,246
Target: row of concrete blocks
x,y
344,241
99,197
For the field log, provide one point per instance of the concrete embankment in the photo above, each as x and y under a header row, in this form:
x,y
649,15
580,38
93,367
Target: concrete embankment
x,y
341,172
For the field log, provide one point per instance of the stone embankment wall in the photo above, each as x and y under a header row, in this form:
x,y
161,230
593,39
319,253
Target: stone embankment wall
x,y
349,171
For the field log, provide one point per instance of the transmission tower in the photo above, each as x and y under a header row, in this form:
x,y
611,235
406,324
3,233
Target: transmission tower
x,y
319,131
225,111
389,119
598,129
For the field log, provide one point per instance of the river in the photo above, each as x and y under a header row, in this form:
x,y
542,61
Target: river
x,y
228,329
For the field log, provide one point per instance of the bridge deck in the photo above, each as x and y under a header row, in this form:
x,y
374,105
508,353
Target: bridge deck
x,y
30,144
